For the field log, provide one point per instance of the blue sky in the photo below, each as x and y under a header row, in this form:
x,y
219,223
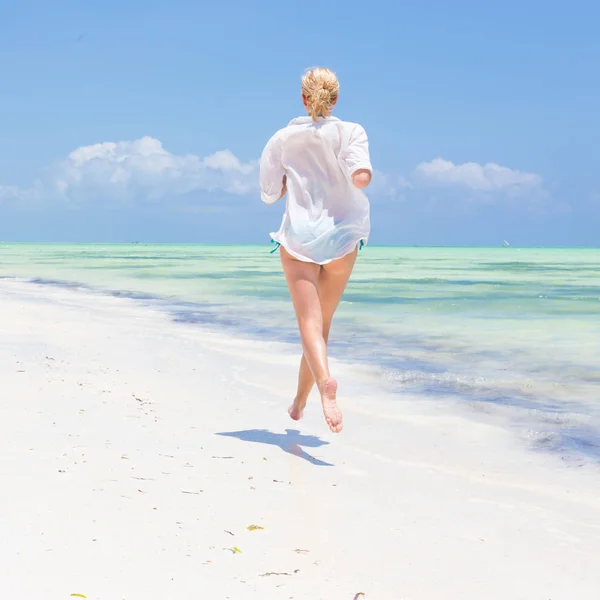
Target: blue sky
x,y
143,120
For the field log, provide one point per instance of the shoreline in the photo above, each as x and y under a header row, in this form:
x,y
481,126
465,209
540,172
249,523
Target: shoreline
x,y
117,429
485,396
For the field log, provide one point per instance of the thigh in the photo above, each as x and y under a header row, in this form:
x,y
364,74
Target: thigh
x,y
303,282
332,283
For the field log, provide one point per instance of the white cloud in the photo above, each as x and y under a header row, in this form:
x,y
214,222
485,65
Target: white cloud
x,y
8,191
391,186
480,178
15,193
144,168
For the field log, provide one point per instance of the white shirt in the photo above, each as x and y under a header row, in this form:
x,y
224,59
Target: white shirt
x,y
326,215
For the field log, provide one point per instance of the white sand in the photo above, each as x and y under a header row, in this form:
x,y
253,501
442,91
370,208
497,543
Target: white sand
x,y
116,486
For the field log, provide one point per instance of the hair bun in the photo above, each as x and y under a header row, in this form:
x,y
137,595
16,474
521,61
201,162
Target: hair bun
x,y
323,94
320,87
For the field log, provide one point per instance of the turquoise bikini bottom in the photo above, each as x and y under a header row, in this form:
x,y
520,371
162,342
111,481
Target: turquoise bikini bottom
x,y
361,245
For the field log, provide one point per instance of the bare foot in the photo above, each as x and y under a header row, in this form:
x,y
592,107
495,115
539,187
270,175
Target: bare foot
x,y
332,413
296,410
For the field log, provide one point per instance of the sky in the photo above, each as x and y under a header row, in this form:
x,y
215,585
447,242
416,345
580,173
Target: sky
x,y
145,120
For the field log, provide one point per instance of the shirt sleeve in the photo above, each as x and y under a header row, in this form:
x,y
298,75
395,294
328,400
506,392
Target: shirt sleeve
x,y
356,155
271,171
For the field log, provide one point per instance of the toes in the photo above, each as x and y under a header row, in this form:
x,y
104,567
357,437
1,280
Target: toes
x,y
335,424
294,413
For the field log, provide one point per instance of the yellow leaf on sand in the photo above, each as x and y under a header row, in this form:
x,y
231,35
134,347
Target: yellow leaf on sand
x,y
236,550
254,527
78,596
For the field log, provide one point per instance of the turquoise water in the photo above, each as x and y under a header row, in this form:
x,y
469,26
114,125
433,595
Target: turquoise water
x,y
512,334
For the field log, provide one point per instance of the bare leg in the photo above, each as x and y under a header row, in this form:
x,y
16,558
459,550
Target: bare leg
x,y
316,292
332,283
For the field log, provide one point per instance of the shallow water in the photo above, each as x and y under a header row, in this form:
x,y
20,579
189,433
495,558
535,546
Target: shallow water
x,y
507,334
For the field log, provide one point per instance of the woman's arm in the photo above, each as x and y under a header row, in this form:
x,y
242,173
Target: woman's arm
x,y
284,188
356,158
272,174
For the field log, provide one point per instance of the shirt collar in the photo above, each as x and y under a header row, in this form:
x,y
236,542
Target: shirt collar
x,y
304,120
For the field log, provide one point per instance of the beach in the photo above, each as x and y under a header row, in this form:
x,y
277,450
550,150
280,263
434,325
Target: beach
x,y
151,457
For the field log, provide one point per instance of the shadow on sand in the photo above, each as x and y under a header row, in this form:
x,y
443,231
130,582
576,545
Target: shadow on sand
x,y
291,442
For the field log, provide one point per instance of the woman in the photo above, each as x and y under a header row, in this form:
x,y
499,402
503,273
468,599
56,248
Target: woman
x,y
323,164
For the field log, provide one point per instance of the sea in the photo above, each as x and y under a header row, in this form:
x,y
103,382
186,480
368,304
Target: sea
x,y
506,334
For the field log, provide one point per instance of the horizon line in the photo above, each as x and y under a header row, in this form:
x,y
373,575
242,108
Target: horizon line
x,y
258,245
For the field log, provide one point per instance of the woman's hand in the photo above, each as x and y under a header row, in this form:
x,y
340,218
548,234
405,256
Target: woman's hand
x,y
361,178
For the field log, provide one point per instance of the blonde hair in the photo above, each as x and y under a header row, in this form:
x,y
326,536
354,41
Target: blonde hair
x,y
320,87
